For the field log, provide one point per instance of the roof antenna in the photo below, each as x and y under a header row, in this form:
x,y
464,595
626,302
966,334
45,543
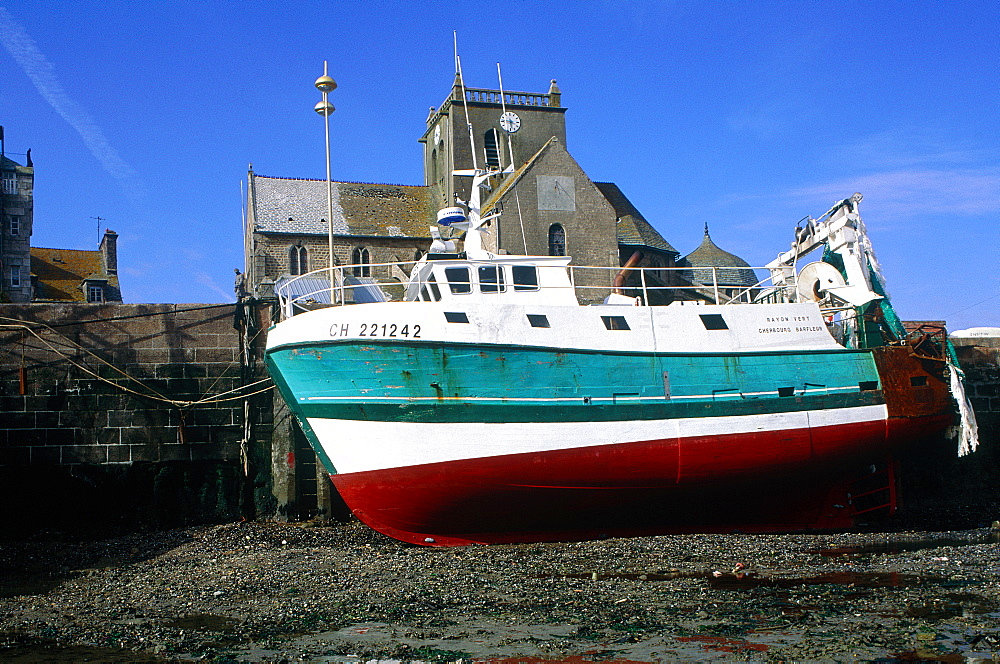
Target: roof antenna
x,y
99,220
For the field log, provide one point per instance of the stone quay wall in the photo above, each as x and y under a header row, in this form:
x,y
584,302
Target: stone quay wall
x,y
117,414
937,485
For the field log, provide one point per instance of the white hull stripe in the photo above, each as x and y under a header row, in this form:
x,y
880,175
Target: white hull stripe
x,y
356,446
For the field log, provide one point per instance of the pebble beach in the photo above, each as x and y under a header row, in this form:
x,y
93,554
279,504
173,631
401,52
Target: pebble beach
x,y
269,592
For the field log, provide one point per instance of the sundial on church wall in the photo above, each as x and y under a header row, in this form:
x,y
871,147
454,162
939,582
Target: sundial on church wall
x,y
556,192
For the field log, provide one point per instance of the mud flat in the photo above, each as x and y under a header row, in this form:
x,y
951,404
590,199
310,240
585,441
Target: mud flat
x,y
271,592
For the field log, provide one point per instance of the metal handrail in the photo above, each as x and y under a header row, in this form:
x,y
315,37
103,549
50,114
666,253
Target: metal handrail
x,y
381,274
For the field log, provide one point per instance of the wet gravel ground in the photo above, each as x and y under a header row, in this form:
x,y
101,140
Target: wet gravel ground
x,y
273,592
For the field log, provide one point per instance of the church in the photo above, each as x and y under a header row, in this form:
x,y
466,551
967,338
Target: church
x,y
547,204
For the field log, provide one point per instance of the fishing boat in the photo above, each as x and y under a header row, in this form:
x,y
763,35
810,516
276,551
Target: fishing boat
x,y
493,398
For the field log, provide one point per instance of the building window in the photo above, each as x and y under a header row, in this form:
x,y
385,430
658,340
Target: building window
x,y
557,240
298,260
15,276
9,182
15,225
491,146
361,259
95,294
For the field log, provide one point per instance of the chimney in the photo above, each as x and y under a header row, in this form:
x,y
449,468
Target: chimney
x,y
109,251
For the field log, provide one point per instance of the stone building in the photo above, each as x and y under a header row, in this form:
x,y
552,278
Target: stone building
x,y
75,275
287,232
16,216
37,274
549,205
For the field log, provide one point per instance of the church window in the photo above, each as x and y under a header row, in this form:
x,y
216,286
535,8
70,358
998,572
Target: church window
x,y
361,259
298,260
15,225
491,145
557,240
15,276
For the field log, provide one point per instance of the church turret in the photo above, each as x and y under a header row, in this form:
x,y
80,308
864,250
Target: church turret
x,y
555,95
732,275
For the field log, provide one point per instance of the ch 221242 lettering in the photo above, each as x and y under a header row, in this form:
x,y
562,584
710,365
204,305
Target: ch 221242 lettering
x,y
386,330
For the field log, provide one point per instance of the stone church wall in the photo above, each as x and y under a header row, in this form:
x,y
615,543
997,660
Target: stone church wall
x,y
273,251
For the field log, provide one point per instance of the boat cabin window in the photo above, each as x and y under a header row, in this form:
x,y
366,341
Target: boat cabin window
x,y
713,322
525,277
491,279
615,322
459,280
434,294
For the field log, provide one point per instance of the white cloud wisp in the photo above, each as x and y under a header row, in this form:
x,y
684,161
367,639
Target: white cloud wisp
x,y
42,75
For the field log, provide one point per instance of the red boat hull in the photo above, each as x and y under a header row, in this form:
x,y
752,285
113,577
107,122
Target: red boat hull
x,y
769,481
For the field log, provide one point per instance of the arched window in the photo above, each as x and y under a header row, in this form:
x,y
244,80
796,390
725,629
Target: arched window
x,y
491,146
298,260
417,254
557,240
361,259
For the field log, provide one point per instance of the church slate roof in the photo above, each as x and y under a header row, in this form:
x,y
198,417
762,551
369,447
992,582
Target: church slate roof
x,y
60,274
709,255
299,207
633,229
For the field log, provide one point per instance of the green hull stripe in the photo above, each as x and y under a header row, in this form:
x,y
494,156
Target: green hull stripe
x,y
311,436
508,413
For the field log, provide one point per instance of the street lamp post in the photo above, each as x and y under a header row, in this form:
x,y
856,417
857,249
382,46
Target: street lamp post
x,y
326,85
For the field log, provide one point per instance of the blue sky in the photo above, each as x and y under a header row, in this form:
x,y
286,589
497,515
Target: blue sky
x,y
745,116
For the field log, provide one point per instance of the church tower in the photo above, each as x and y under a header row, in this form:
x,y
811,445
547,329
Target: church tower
x,y
528,121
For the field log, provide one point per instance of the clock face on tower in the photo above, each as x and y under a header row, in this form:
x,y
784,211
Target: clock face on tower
x,y
509,122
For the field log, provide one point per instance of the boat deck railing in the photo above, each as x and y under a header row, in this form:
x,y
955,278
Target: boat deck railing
x,y
382,282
